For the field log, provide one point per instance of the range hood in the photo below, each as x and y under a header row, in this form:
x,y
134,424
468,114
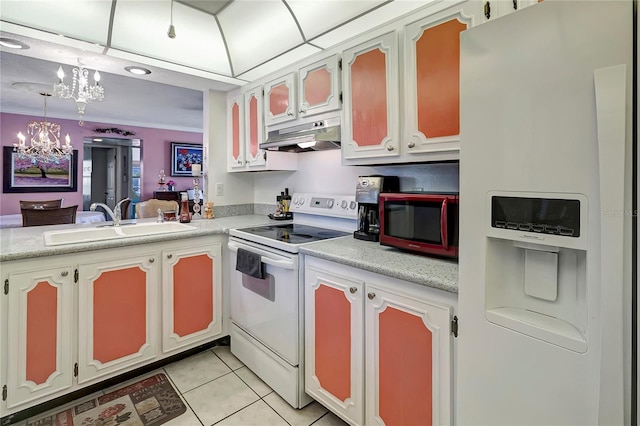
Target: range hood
x,y
318,135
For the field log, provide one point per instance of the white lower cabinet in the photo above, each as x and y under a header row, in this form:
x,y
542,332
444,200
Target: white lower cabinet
x,y
70,321
378,350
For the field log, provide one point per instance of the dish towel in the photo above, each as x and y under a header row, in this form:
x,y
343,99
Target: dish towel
x,y
250,263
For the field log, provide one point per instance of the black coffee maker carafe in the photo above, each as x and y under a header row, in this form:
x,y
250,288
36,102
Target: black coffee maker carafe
x,y
368,189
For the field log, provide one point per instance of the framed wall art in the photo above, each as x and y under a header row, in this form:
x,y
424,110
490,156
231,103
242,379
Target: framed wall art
x,y
27,175
183,155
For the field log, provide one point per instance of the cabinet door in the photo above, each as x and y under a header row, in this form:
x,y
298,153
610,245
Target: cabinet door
x,y
39,342
432,83
191,296
235,132
118,312
333,342
371,86
279,100
319,85
254,127
408,360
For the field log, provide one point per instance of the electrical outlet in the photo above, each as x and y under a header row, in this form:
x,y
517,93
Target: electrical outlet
x,y
219,189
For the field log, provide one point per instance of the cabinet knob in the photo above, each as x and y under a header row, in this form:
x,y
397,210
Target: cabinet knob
x,y
169,256
390,148
64,273
487,10
353,290
371,296
302,111
151,260
290,114
411,144
515,4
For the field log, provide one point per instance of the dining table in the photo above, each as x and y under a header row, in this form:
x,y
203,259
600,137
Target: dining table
x,y
15,220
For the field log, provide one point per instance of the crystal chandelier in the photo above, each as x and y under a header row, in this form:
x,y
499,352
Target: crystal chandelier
x,y
45,140
80,91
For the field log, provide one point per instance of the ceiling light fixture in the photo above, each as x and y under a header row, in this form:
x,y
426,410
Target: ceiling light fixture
x,y
81,91
172,31
44,140
137,70
12,44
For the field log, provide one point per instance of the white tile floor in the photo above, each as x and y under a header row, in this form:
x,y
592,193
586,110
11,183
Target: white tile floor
x,y
218,389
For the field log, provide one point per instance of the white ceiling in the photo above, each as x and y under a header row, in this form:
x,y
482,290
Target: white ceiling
x,y
219,45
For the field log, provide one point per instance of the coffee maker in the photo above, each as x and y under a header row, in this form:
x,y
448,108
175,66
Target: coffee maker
x,y
367,191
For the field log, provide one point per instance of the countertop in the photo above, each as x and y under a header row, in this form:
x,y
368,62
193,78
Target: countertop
x,y
28,242
371,256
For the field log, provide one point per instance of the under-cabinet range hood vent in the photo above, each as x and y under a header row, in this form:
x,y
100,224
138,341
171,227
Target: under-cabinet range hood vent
x,y
318,135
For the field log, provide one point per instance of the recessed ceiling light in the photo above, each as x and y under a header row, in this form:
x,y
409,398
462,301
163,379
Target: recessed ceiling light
x,y
12,44
138,70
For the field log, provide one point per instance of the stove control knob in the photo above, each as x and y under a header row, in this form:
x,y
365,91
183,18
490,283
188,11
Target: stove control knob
x,y
352,205
301,201
296,201
330,203
344,204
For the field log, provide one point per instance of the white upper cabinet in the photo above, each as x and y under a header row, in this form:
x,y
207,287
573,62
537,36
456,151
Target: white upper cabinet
x,y
280,100
370,80
432,84
319,85
235,131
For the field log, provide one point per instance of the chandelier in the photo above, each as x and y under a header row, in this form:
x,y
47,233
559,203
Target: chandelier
x,y
44,140
81,91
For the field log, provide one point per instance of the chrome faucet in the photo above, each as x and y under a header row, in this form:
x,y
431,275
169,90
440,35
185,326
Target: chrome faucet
x,y
115,214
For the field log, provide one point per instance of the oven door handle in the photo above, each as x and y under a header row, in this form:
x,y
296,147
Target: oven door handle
x,y
284,264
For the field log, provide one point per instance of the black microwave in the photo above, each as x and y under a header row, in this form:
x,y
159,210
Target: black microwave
x,y
420,222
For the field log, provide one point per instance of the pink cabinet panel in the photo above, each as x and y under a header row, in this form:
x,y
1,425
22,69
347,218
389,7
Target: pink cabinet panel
x,y
369,98
42,336
333,341
192,298
405,365
438,79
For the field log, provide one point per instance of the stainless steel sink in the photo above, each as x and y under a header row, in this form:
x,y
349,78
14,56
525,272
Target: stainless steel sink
x,y
88,235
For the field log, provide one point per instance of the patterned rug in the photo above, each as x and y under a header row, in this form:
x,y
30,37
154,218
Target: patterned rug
x,y
149,402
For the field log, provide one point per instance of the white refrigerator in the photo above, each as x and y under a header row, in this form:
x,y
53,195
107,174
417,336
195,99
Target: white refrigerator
x,y
545,217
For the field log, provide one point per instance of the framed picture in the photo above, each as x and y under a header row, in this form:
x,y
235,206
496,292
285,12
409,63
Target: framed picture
x,y
27,175
183,155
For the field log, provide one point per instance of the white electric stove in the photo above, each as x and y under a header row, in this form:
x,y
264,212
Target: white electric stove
x,y
266,314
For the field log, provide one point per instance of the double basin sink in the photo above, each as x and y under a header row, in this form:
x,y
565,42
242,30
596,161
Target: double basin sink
x,y
88,235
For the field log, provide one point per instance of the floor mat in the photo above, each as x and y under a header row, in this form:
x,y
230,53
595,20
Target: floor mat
x,y
149,402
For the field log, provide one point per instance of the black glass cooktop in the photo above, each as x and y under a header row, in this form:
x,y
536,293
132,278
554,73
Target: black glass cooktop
x,y
294,234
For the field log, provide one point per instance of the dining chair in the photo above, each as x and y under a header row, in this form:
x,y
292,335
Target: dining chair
x,y
49,216
149,208
46,204
124,210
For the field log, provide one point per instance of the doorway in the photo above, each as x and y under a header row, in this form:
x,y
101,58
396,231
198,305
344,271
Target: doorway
x,y
111,172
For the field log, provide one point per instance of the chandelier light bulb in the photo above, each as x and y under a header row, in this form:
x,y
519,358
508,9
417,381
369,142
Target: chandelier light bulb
x,y
60,73
96,77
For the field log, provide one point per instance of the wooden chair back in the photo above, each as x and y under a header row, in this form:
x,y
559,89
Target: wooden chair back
x,y
50,216
46,204
124,210
150,207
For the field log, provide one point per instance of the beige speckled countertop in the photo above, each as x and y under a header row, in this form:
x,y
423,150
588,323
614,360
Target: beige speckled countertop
x,y
371,256
28,242
24,243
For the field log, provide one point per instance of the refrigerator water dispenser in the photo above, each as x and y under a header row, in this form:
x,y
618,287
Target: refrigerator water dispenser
x,y
536,280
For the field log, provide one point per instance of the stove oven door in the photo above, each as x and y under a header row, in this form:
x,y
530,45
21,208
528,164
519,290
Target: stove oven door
x,y
267,309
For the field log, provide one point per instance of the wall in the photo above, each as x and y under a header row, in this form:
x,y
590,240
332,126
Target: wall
x,y
322,172
156,155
